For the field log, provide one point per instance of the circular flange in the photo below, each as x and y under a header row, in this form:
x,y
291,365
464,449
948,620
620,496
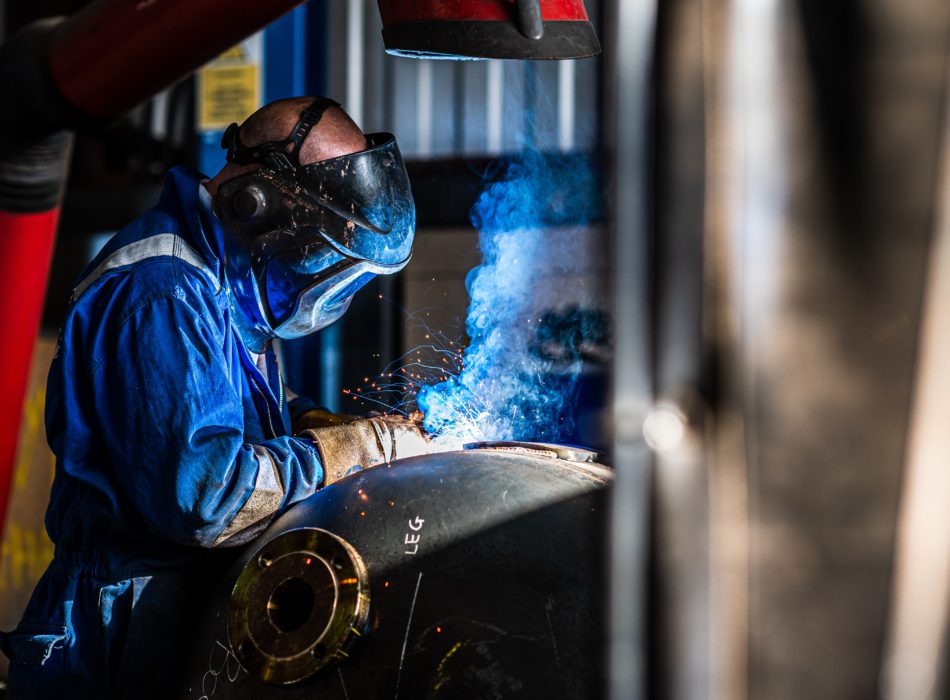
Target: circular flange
x,y
297,605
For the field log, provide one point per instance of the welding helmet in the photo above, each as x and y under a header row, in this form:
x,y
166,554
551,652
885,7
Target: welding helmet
x,y
304,238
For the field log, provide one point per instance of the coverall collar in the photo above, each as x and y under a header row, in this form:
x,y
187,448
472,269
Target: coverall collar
x,y
182,198
186,198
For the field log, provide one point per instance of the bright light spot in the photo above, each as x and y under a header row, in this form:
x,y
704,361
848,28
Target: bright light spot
x,y
664,427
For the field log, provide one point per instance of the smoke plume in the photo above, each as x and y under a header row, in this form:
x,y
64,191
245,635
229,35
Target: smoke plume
x,y
532,219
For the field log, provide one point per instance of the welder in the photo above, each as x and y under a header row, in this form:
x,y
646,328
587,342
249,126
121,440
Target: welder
x,y
166,408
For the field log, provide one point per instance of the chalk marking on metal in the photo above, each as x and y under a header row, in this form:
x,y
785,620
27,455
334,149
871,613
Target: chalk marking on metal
x,y
225,668
405,640
345,694
547,613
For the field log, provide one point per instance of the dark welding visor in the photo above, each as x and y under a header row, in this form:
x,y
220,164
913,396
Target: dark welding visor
x,y
360,203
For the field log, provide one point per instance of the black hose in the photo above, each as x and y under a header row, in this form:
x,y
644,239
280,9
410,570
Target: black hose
x,y
34,147
32,174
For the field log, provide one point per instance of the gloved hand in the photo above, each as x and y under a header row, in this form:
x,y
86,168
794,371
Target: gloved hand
x,y
365,443
319,418
307,415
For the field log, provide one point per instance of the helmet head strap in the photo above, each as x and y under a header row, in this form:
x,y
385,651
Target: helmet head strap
x,y
278,155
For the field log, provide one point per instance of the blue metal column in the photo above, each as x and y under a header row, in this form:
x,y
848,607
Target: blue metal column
x,y
295,63
232,84
285,56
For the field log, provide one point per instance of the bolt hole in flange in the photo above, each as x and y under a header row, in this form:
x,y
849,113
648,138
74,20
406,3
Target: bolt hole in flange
x,y
291,605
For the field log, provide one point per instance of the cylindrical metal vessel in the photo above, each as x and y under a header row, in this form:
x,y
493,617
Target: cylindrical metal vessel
x,y
472,574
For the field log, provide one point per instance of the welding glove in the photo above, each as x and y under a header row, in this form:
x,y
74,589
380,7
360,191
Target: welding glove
x,y
319,418
365,443
305,414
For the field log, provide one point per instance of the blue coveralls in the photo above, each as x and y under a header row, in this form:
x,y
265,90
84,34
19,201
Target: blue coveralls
x,y
169,442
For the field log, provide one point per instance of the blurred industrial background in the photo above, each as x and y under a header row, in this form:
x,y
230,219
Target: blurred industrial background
x,y
772,256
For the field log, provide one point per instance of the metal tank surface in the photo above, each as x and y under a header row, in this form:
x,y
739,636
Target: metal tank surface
x,y
469,574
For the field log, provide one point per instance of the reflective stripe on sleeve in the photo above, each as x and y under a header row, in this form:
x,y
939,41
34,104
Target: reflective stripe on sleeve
x,y
263,502
154,246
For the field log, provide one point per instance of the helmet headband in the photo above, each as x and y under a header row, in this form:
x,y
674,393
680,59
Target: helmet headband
x,y
279,155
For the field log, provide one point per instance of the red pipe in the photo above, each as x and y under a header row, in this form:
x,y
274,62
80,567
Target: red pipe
x,y
112,54
28,246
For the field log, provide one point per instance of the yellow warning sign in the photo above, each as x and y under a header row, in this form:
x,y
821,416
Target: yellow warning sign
x,y
235,53
227,93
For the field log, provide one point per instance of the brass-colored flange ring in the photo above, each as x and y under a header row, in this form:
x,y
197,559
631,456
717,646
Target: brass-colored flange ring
x,y
298,605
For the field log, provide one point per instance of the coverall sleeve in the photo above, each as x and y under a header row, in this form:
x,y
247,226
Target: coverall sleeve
x,y
174,422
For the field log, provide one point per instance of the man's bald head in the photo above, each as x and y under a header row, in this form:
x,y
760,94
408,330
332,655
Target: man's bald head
x,y
334,135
